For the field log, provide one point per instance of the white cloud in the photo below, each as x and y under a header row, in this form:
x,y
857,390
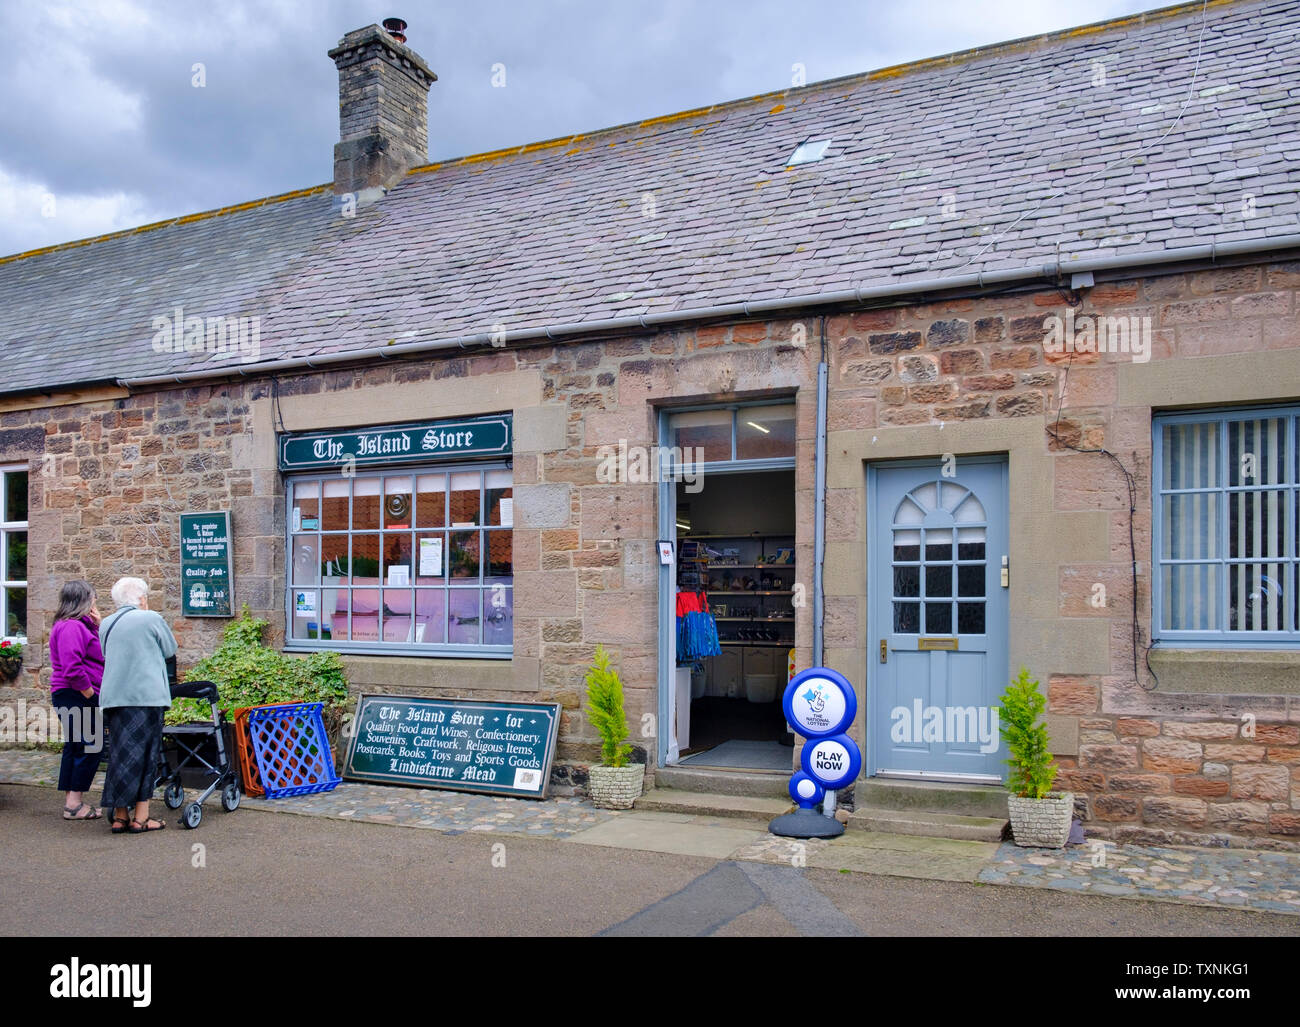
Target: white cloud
x,y
32,215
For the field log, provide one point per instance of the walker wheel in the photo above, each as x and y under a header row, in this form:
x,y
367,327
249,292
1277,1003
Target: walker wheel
x,y
174,795
193,815
230,796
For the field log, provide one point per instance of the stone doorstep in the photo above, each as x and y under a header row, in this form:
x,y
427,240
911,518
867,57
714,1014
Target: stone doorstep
x,y
759,809
967,800
926,823
767,784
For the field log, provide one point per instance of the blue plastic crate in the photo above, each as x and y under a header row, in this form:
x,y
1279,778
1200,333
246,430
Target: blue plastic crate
x,y
292,750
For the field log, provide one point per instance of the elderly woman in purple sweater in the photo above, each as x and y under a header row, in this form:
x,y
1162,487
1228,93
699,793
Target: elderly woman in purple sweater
x,y
78,669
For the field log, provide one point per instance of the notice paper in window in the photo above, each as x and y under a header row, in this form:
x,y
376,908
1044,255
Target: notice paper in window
x,y
430,557
399,577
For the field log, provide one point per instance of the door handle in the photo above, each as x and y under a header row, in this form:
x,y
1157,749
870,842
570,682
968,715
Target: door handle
x,y
884,651
1006,573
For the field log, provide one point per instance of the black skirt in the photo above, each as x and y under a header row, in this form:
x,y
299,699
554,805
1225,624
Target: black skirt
x,y
135,747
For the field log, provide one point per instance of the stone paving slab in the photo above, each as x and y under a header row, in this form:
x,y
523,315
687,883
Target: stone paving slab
x,y
1235,878
1230,878
694,836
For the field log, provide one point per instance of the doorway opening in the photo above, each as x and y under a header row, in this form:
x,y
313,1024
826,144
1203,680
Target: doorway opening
x,y
736,563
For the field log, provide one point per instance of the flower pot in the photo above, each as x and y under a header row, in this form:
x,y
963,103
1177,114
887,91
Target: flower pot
x,y
10,667
1041,823
615,787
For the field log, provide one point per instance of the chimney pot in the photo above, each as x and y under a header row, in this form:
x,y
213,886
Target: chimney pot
x,y
396,28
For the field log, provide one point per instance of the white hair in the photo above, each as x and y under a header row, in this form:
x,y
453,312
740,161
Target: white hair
x,y
129,591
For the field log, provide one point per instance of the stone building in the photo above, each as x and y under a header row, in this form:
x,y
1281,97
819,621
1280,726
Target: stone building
x,y
982,362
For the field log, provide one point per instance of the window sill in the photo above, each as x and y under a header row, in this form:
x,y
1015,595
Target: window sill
x,y
1227,671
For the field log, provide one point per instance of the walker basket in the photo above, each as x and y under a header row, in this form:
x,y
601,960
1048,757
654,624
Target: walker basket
x,y
292,750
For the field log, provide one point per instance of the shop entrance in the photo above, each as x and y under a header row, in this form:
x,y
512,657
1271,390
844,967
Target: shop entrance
x,y
736,577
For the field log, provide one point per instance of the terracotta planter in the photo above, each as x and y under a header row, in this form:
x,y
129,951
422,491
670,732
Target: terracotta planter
x,y
615,787
1041,823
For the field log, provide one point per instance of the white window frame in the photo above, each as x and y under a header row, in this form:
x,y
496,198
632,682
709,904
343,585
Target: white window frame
x,y
1222,638
6,529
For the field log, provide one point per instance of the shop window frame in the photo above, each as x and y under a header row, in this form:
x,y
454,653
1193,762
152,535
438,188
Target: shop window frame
x,y
734,462
7,529
1221,637
484,588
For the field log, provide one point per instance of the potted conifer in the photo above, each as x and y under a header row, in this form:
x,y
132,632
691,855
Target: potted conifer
x,y
1040,817
614,783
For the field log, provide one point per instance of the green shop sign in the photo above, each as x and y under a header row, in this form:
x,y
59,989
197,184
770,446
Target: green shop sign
x,y
499,748
207,565
401,443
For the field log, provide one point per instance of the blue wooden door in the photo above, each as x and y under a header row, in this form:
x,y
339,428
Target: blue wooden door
x,y
937,661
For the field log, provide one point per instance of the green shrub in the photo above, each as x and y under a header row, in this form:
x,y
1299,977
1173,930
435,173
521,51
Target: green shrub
x,y
248,673
1032,767
605,710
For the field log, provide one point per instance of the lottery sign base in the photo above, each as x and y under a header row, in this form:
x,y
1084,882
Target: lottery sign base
x,y
806,823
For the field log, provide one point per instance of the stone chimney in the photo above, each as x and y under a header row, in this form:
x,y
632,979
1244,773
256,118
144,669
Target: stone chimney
x,y
383,109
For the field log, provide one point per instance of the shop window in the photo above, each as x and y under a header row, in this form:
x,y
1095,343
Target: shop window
x,y
416,561
13,552
1226,509
724,434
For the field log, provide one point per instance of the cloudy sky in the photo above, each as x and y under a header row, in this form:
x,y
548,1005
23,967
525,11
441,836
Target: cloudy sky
x,y
103,127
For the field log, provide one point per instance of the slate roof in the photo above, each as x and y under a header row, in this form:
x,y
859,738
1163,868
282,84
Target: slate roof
x,y
943,166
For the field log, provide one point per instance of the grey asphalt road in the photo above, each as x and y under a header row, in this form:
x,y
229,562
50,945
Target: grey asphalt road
x,y
253,873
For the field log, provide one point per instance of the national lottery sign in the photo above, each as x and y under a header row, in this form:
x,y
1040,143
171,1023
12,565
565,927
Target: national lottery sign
x,y
819,702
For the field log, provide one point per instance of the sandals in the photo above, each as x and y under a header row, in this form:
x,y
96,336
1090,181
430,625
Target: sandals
x,y
70,813
139,828
119,825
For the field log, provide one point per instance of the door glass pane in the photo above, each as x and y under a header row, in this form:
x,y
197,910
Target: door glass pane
x,y
938,618
334,507
970,543
938,580
1191,527
970,618
1257,451
15,488
465,498
1190,594
365,504
907,546
16,611
306,559
970,581
709,430
1255,599
397,502
1256,524
907,618
16,562
907,581
969,511
1190,456
431,501
908,513
938,545
765,432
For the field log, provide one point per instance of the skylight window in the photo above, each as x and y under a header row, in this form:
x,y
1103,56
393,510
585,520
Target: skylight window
x,y
807,152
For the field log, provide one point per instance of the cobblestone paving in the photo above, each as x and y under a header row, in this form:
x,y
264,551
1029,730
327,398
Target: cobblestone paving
x,y
448,812
1239,878
1235,878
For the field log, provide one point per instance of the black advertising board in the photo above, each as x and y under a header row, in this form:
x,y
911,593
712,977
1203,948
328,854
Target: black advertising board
x,y
498,748
207,565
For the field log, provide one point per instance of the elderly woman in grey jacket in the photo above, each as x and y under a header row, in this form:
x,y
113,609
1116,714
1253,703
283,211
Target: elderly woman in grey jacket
x,y
134,696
